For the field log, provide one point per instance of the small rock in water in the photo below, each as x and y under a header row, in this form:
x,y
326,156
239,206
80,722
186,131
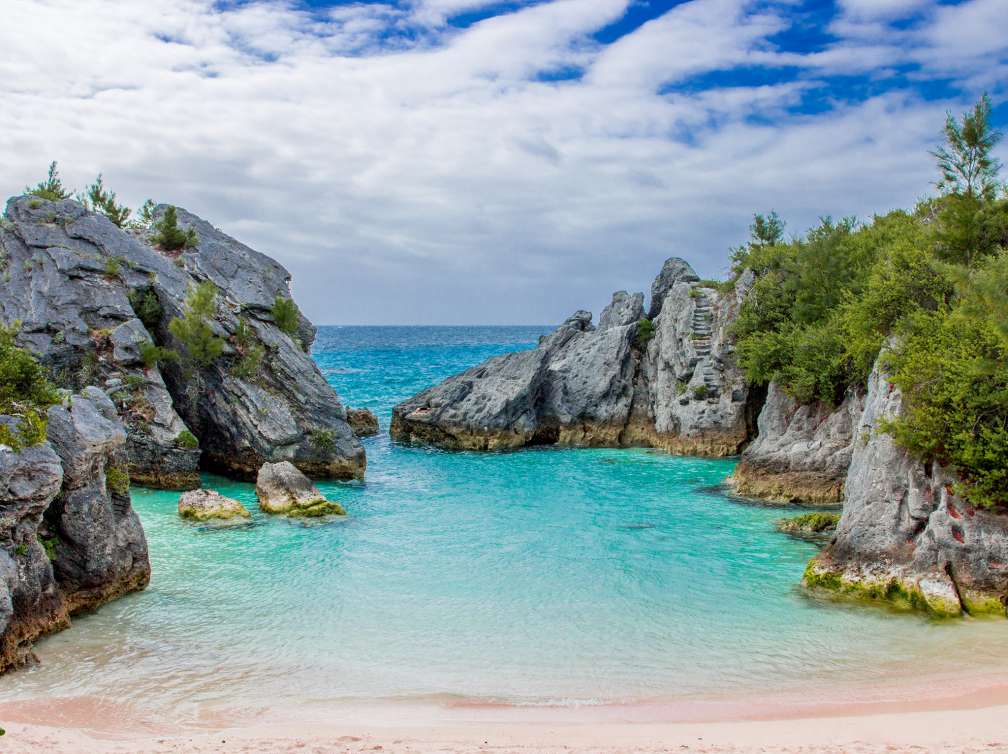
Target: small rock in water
x,y
208,505
282,488
362,421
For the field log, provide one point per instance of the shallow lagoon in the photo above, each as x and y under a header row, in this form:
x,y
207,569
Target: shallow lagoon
x,y
570,576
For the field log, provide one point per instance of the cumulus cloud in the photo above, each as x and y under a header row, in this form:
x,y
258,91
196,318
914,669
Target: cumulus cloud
x,y
512,170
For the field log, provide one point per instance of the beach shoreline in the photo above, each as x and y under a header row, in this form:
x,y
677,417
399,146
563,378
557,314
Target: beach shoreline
x,y
934,721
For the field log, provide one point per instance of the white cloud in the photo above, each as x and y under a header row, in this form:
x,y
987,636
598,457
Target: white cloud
x,y
408,171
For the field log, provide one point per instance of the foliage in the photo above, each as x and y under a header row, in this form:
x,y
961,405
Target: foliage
x,y
250,350
193,329
950,367
25,393
147,307
117,480
152,355
51,188
169,236
765,232
645,331
286,315
186,440
323,440
966,162
113,267
100,199
700,392
49,545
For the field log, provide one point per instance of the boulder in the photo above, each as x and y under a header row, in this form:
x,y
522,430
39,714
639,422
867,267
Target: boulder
x,y
905,537
362,421
815,526
69,538
91,297
282,488
209,505
672,385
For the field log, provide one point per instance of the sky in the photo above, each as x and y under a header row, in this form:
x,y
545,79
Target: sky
x,y
475,162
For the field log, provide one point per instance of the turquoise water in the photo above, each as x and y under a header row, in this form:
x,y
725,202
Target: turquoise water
x,y
529,577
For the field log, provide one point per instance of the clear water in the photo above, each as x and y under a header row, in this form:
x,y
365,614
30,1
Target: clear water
x,y
539,576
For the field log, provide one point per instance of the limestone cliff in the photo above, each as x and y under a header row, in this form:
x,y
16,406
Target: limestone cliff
x,y
667,382
91,296
69,538
905,536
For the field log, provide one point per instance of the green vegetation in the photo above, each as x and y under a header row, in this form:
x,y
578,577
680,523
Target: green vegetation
x,y
286,315
193,329
51,188
152,355
49,544
809,523
169,236
932,283
323,440
645,331
25,393
100,199
250,352
113,268
186,440
147,307
117,480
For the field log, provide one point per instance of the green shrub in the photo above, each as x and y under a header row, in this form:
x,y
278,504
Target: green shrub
x,y
700,392
323,440
51,188
113,267
25,393
645,331
117,480
168,235
193,329
21,550
49,545
152,355
286,315
147,307
99,199
186,440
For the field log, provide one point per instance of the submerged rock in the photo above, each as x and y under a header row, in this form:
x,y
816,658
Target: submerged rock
x,y
801,452
670,383
93,300
362,421
810,525
208,505
905,536
69,538
281,488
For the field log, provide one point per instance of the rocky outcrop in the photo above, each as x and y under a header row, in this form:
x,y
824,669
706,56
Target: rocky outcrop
x,y
209,505
69,538
93,299
814,526
801,452
281,488
362,421
669,382
905,536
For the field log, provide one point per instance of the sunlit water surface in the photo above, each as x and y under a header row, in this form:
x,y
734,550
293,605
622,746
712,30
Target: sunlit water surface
x,y
542,576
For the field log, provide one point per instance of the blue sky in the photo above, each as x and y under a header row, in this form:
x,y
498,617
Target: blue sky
x,y
464,161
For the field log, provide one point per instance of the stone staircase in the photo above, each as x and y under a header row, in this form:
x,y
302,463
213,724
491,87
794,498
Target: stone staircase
x,y
701,327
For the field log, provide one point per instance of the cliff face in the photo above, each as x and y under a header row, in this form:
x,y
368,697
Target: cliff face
x,y
620,384
801,452
80,286
904,535
69,538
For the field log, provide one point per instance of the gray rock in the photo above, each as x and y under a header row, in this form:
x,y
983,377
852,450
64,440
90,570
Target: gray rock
x,y
675,270
209,505
78,319
69,538
802,452
282,488
587,387
904,535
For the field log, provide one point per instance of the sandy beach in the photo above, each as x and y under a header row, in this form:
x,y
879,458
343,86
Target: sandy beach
x,y
936,724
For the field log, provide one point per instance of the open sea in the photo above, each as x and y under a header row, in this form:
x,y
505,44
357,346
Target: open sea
x,y
535,577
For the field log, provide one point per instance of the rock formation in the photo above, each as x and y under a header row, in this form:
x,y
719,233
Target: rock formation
x,y
209,505
667,382
801,452
281,488
69,538
362,421
905,536
91,297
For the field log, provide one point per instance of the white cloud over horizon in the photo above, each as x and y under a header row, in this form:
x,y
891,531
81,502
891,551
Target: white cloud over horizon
x,y
510,171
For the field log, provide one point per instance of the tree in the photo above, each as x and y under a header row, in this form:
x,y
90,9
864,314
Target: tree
x,y
25,393
966,163
51,188
193,329
285,314
169,236
766,230
100,200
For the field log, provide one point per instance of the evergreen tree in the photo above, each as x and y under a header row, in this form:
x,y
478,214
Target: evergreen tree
x,y
51,188
966,163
